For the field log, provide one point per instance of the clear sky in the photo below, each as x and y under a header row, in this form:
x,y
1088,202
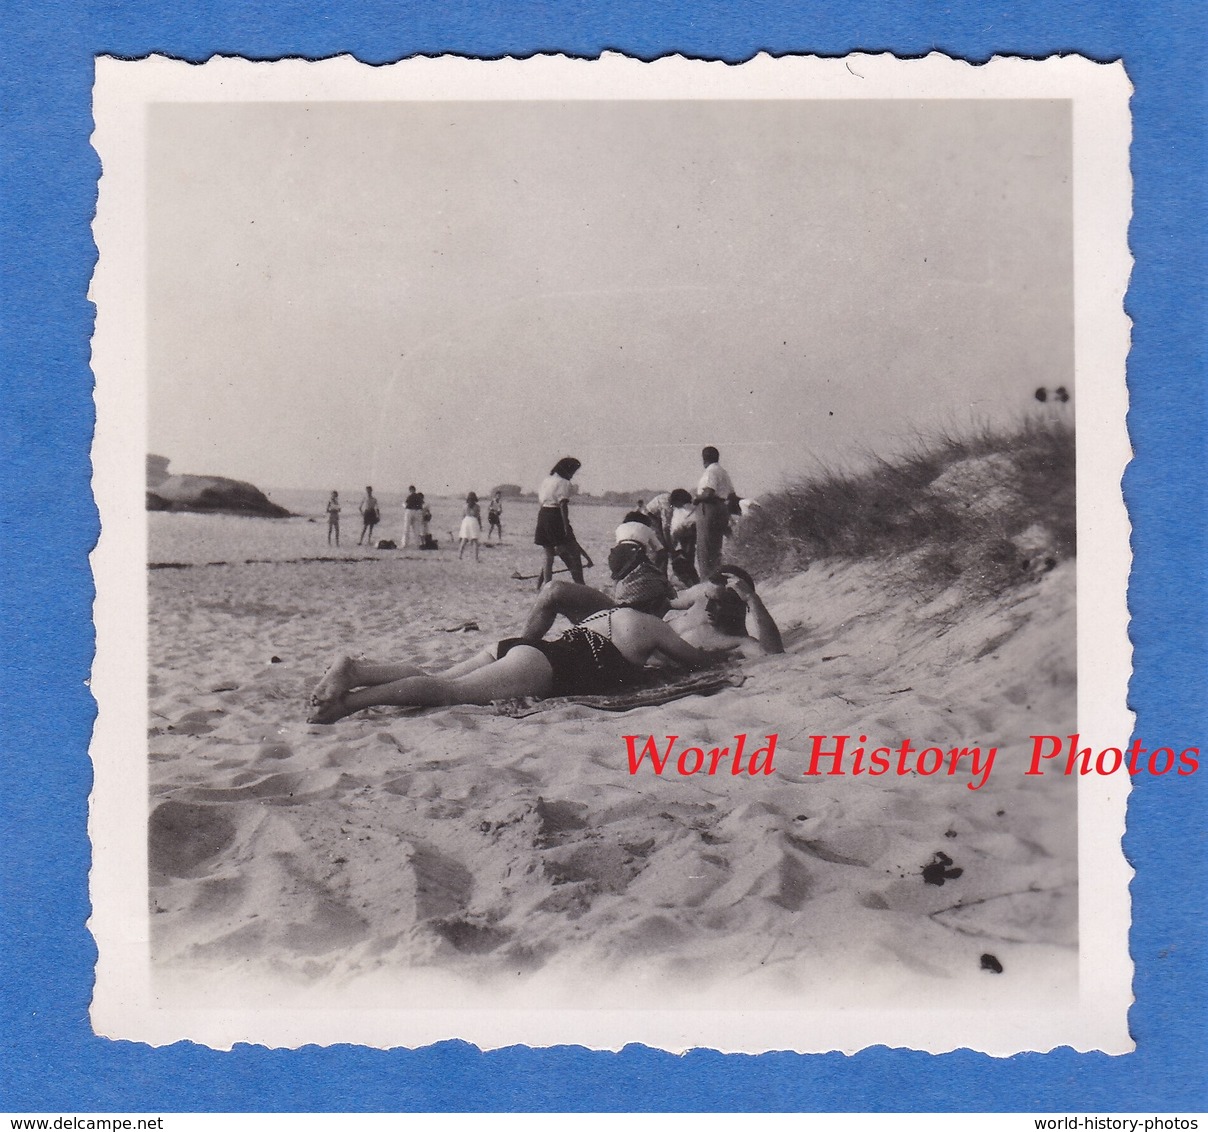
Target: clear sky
x,y
457,294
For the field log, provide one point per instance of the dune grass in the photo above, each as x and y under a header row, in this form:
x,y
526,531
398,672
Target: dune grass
x,y
990,509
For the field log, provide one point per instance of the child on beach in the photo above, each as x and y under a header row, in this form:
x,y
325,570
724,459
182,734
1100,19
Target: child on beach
x,y
471,526
369,516
425,541
333,518
495,516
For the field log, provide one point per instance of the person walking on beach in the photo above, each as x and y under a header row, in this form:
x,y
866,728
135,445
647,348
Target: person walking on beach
x,y
333,518
413,508
471,526
713,495
495,516
370,515
554,533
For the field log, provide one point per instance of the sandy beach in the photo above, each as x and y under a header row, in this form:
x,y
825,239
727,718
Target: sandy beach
x,y
453,853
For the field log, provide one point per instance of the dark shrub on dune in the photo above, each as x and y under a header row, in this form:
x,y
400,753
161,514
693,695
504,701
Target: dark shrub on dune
x,y
989,509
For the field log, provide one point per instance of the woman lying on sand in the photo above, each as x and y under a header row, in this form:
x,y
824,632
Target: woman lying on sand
x,y
604,653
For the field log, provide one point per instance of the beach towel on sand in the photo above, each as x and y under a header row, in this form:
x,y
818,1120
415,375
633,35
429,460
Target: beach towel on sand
x,y
658,691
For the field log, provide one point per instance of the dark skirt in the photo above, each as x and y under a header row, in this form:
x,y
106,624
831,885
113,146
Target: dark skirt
x,y
551,531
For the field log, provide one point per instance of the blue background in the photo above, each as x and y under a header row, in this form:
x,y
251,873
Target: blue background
x,y
49,1059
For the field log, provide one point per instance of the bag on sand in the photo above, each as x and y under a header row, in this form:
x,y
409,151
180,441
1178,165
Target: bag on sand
x,y
387,544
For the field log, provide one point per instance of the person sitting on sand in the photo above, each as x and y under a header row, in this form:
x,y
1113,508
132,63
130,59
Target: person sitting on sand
x,y
495,516
369,516
638,585
333,518
640,528
425,518
471,525
603,654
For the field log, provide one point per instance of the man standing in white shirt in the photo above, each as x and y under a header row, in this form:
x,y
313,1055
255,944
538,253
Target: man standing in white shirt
x,y
712,513
413,511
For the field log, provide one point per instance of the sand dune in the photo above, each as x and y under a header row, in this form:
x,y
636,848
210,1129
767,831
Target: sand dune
x,y
455,850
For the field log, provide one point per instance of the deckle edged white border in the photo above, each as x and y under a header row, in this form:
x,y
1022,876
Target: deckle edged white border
x,y
124,1006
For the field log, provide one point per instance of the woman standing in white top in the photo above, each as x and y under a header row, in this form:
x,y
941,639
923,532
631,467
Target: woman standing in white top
x,y
554,533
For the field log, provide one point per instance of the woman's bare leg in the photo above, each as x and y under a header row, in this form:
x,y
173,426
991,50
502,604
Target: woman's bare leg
x,y
479,660
347,673
573,601
570,555
523,672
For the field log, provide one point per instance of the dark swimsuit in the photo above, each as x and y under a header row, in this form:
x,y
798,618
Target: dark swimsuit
x,y
583,662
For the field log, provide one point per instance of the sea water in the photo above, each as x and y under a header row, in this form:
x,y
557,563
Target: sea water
x,y
183,537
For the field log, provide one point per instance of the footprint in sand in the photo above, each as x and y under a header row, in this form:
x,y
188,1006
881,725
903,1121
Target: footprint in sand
x,y
184,840
793,884
281,789
557,819
200,722
471,938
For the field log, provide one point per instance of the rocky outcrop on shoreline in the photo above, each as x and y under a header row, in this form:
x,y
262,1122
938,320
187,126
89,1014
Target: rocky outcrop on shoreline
x,y
212,494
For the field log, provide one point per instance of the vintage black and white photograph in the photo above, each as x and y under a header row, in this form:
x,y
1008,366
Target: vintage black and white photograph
x,y
603,552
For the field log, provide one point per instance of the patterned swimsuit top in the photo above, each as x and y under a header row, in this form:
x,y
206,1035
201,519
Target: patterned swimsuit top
x,y
594,649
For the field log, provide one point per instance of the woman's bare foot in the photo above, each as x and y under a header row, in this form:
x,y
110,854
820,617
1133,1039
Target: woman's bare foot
x,y
330,710
332,687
